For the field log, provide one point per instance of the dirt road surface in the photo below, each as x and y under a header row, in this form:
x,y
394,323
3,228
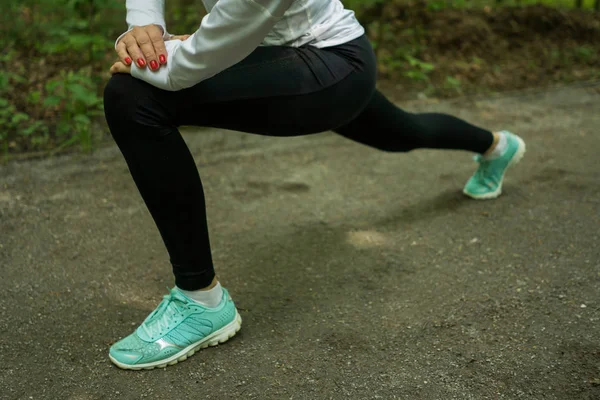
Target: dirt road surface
x,y
358,274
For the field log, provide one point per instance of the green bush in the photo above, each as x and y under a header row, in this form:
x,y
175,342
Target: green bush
x,y
56,54
54,64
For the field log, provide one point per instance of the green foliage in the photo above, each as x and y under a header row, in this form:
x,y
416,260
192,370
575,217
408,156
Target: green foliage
x,y
54,27
71,96
443,4
436,5
184,16
50,70
75,94
360,5
11,120
453,84
56,54
54,64
419,70
584,53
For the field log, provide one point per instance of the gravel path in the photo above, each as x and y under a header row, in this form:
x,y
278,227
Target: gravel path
x,y
359,274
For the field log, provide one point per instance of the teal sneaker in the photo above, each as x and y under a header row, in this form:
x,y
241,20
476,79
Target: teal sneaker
x,y
486,183
175,331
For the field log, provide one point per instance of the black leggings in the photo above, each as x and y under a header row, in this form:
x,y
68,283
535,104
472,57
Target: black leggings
x,y
276,91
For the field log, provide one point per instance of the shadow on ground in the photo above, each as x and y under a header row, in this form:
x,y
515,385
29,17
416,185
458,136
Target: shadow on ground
x,y
358,274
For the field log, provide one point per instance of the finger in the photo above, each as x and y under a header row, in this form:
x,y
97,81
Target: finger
x,y
179,37
156,37
123,53
134,51
120,68
147,47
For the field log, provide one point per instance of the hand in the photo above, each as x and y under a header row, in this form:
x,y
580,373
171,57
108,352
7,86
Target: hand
x,y
121,67
144,45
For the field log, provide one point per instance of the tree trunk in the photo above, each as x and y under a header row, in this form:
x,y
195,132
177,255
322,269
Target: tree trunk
x,y
579,3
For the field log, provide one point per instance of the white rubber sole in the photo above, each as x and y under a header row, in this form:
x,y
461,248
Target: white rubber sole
x,y
515,160
215,338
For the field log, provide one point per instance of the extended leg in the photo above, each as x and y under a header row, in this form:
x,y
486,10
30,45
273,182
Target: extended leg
x,y
386,127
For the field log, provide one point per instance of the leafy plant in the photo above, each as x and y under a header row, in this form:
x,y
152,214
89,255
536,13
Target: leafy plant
x,y
74,93
13,120
453,84
419,70
55,56
584,53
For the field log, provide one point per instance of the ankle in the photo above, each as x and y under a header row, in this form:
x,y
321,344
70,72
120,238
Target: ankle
x,y
209,296
494,143
212,284
498,148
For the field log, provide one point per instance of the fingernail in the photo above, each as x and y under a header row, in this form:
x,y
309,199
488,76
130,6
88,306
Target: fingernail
x,y
153,64
141,62
162,59
128,61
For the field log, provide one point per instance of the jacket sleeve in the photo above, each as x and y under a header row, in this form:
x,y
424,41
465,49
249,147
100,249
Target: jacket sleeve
x,y
227,35
145,12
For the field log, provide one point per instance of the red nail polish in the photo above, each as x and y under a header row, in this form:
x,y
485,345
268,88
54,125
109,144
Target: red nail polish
x,y
128,61
141,62
153,65
162,59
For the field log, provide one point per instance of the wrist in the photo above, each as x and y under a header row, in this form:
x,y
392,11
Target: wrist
x,y
159,78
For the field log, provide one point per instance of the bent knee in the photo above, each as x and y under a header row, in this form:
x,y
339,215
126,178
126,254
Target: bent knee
x,y
119,95
120,85
128,100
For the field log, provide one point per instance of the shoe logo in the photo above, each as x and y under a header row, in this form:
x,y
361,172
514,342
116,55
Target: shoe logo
x,y
164,344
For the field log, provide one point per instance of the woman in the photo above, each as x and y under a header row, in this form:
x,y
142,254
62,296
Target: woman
x,y
269,67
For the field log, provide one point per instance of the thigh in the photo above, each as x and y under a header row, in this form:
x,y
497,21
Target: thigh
x,y
295,115
273,71
281,91
380,124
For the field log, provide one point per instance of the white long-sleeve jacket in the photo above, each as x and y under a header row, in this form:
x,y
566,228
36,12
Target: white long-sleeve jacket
x,y
232,29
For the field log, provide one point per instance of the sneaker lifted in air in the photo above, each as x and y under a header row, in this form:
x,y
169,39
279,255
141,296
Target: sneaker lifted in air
x,y
486,183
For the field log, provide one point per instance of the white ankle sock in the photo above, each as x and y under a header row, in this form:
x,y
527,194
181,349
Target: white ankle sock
x,y
499,149
208,298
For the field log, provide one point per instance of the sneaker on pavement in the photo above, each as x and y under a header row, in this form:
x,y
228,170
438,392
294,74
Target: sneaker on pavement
x,y
486,183
175,331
